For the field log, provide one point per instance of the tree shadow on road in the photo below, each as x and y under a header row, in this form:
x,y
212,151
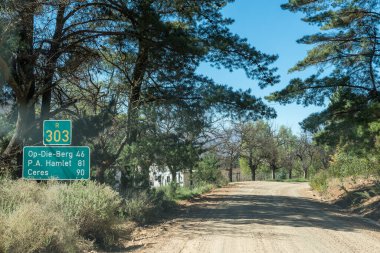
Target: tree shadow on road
x,y
225,213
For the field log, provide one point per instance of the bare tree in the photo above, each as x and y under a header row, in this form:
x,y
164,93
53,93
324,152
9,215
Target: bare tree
x,y
306,153
228,148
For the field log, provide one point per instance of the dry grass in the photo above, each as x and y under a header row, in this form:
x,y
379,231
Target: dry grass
x,y
57,217
359,195
31,228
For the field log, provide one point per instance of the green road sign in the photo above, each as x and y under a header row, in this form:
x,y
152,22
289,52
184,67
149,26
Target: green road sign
x,y
60,163
57,132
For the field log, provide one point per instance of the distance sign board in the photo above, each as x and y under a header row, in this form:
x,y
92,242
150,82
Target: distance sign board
x,y
55,162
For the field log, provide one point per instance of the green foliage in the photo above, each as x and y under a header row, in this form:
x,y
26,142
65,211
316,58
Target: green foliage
x,y
293,180
182,193
346,57
345,164
297,180
281,175
244,168
208,170
319,181
147,206
188,193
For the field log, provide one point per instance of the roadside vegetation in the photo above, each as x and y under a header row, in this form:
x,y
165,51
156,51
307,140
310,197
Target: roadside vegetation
x,y
59,217
183,193
293,180
80,216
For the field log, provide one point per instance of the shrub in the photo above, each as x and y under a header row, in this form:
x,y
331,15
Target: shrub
x,y
138,206
13,194
34,229
89,208
188,193
162,201
144,206
319,181
344,164
2,231
93,207
185,192
208,171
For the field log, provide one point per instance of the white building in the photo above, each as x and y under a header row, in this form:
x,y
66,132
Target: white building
x,y
161,177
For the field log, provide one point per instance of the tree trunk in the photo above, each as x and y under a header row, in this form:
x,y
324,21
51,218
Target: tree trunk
x,y
53,56
24,123
290,174
135,93
173,183
253,168
174,176
18,136
23,71
145,184
45,105
273,172
100,174
132,114
134,102
230,173
191,177
125,179
253,174
305,174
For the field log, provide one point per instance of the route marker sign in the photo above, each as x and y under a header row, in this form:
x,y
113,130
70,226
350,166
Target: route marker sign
x,y
57,132
56,161
60,163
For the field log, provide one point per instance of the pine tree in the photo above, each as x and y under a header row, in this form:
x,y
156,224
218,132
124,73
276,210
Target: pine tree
x,y
346,56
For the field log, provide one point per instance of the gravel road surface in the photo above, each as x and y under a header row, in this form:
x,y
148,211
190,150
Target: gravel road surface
x,y
261,217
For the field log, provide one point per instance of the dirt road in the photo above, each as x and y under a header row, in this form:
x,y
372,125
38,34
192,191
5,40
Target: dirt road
x,y
262,217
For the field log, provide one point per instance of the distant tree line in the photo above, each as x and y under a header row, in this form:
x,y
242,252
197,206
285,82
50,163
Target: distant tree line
x,y
259,146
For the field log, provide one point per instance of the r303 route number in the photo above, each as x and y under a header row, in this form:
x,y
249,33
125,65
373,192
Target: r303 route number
x,y
57,136
57,132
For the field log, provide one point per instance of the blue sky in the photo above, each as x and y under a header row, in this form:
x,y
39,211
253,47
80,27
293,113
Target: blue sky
x,y
274,31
